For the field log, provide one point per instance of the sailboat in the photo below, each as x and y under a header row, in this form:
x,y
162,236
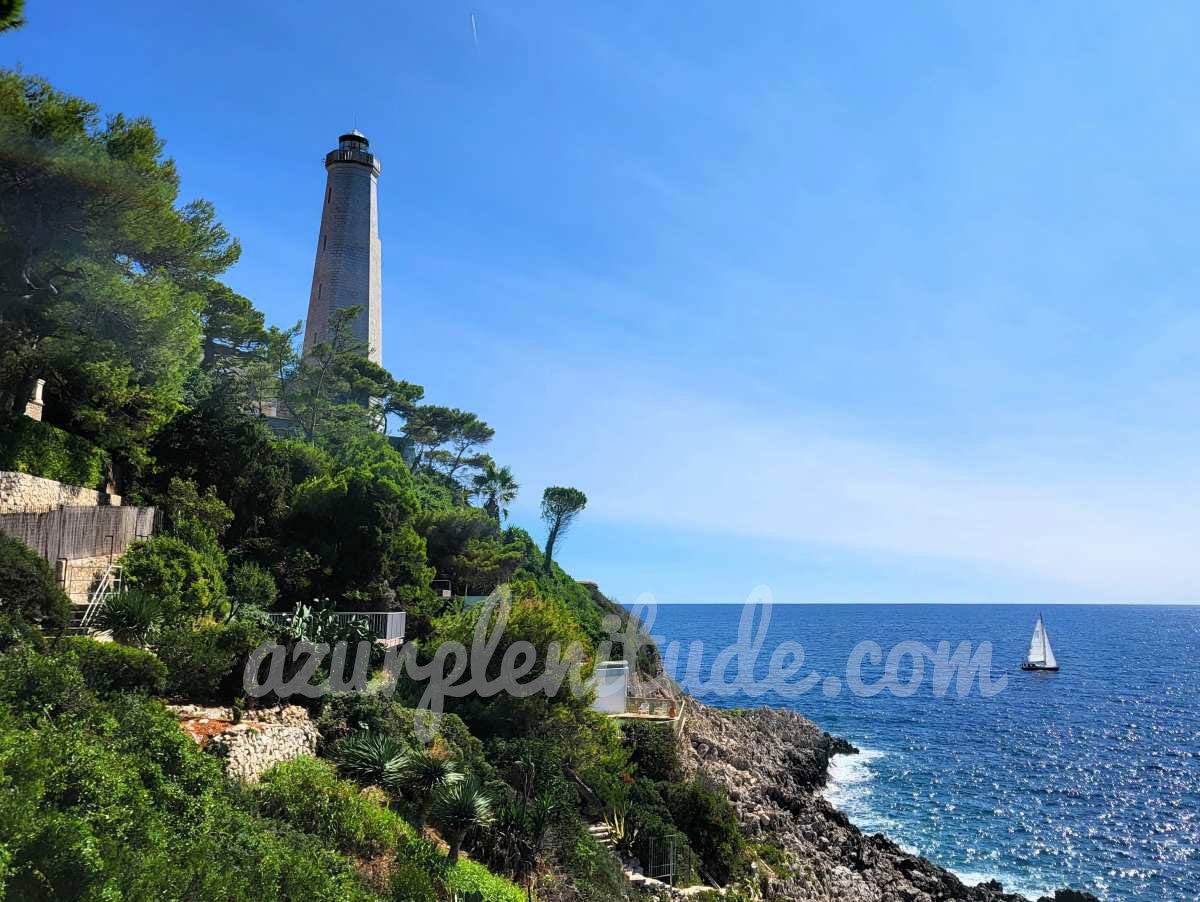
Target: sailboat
x,y
1041,656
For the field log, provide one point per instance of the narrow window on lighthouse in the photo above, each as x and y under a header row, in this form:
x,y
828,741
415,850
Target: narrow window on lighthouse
x,y
328,193
318,291
324,241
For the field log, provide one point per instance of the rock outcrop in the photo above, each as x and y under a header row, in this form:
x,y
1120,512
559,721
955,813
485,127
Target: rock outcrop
x,y
773,764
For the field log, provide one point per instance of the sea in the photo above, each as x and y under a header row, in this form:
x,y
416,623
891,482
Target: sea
x,y
1088,777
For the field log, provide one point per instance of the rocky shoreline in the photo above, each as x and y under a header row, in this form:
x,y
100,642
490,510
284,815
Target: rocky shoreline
x,y
773,764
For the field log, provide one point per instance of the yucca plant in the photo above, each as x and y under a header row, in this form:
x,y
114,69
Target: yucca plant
x,y
422,774
132,617
459,807
372,758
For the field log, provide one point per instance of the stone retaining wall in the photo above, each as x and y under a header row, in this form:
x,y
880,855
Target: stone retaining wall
x,y
264,738
22,493
80,576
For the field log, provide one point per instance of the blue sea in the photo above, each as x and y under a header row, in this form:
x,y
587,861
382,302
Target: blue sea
x,y
1089,777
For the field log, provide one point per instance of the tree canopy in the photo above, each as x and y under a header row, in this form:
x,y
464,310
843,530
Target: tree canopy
x,y
560,507
103,277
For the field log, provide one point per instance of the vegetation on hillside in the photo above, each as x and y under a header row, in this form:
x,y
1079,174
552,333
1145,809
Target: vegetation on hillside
x,y
110,291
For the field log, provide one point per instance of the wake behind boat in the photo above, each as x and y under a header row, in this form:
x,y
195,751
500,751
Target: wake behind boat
x,y
1041,655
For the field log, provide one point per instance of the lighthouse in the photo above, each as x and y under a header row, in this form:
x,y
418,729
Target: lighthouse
x,y
347,268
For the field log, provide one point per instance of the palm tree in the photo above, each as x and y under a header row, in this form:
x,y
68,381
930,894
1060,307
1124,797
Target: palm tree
x,y
372,758
421,774
498,489
460,807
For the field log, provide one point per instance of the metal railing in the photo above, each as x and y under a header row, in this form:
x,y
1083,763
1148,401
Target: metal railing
x,y
651,706
384,625
112,582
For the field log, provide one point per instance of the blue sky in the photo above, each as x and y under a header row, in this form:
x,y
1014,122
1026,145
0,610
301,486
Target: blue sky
x,y
860,302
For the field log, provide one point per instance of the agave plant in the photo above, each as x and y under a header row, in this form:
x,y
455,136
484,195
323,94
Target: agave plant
x,y
132,617
623,832
421,775
372,758
459,807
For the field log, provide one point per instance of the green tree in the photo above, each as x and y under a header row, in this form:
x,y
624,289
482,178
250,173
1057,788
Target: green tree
x,y
459,808
233,328
560,506
420,775
446,439
496,486
101,274
357,527
10,14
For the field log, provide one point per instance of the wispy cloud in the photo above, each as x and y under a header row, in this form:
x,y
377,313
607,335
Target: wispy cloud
x,y
674,461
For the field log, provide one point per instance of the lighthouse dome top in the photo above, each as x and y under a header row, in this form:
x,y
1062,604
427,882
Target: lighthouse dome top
x,y
353,140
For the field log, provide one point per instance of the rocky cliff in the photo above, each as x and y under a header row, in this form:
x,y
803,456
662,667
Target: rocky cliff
x,y
773,764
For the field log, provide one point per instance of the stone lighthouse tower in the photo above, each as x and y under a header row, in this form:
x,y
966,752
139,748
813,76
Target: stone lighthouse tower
x,y
347,269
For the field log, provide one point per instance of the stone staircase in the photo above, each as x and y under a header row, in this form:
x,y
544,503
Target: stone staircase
x,y
602,834
75,625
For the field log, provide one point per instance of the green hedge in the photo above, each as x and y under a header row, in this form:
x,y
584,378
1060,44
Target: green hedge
x,y
109,667
39,449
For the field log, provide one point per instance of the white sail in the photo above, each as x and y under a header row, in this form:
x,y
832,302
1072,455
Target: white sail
x,y
1047,651
1038,644
1040,652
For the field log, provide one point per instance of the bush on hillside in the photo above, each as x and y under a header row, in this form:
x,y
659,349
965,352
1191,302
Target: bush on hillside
x,y
108,667
28,588
348,713
706,817
189,584
121,804
39,449
37,685
250,586
307,794
655,750
206,663
16,632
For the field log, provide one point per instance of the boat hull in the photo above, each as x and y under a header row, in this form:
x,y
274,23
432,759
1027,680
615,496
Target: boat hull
x,y
1028,666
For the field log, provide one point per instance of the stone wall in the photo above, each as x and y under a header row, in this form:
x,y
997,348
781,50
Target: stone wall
x,y
265,737
22,493
80,576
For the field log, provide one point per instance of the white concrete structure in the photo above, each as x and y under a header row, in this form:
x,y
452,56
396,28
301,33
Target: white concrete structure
x,y
611,681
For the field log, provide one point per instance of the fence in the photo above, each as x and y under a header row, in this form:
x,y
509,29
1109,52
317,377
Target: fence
x,y
386,626
80,532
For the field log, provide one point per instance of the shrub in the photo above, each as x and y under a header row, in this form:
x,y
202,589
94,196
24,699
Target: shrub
x,y
39,449
28,588
189,583
206,663
655,750
308,795
108,667
347,713
707,818
15,631
132,617
250,586
409,882
123,805
472,877
33,683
